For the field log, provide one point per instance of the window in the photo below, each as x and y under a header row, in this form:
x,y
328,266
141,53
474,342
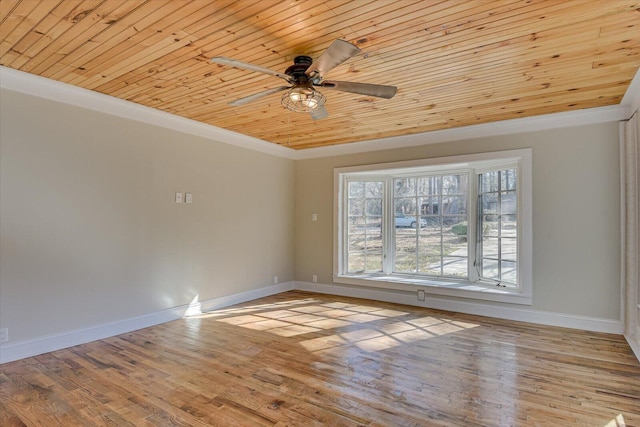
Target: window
x,y
498,225
364,229
435,204
455,226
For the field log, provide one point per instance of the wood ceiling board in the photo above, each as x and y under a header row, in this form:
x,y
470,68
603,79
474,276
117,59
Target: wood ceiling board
x,y
41,35
200,67
573,43
138,29
454,62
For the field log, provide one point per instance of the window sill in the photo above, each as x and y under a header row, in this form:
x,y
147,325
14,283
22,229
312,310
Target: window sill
x,y
448,287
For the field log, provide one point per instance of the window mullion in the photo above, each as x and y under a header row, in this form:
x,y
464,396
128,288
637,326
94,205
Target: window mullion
x,y
417,239
388,231
345,226
500,173
473,223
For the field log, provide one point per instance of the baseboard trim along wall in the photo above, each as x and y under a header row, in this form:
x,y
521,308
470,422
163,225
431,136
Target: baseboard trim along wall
x,y
20,350
524,315
635,346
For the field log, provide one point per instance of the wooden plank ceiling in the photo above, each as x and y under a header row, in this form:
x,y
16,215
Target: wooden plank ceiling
x,y
455,62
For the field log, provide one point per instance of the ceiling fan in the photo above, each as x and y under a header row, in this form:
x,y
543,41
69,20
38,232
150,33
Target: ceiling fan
x,y
304,74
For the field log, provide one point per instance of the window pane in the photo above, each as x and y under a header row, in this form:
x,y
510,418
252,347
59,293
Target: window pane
x,y
490,269
454,184
356,224
508,179
430,205
374,243
374,263
460,229
454,205
405,187
508,202
429,185
490,247
489,181
406,243
405,206
432,265
508,226
423,187
449,221
449,234
454,266
356,242
430,244
509,271
374,189
509,249
356,262
373,206
374,224
356,189
490,203
356,206
405,262
490,225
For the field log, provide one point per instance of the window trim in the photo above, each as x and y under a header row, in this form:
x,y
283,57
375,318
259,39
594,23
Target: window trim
x,y
523,294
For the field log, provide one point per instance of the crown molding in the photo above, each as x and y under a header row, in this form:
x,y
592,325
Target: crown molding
x,y
42,87
631,97
612,113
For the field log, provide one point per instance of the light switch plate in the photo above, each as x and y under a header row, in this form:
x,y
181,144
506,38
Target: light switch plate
x,y
178,197
188,197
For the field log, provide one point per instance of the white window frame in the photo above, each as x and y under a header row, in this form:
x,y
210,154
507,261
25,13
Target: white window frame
x,y
466,288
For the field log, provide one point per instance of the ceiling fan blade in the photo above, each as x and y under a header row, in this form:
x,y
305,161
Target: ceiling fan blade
x,y
250,98
339,51
381,91
319,113
251,67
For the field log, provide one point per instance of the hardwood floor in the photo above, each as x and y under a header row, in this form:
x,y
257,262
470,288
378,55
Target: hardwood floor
x,y
303,359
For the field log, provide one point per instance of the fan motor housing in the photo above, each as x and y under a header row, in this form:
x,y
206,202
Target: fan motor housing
x,y
299,67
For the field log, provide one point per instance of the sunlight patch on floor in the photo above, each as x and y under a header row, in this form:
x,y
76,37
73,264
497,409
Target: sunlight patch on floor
x,y
618,421
308,316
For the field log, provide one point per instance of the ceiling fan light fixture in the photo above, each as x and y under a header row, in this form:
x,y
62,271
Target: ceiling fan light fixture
x,y
303,99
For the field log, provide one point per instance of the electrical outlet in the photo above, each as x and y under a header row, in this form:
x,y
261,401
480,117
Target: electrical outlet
x,y
314,279
4,334
275,280
420,295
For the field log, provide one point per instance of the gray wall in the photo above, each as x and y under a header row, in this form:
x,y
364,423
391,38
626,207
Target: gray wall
x,y
576,213
91,233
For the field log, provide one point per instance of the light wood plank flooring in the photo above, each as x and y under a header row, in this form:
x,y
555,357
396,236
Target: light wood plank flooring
x,y
303,359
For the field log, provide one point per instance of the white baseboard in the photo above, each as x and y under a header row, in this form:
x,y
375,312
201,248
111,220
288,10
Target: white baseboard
x,y
635,346
20,350
593,324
